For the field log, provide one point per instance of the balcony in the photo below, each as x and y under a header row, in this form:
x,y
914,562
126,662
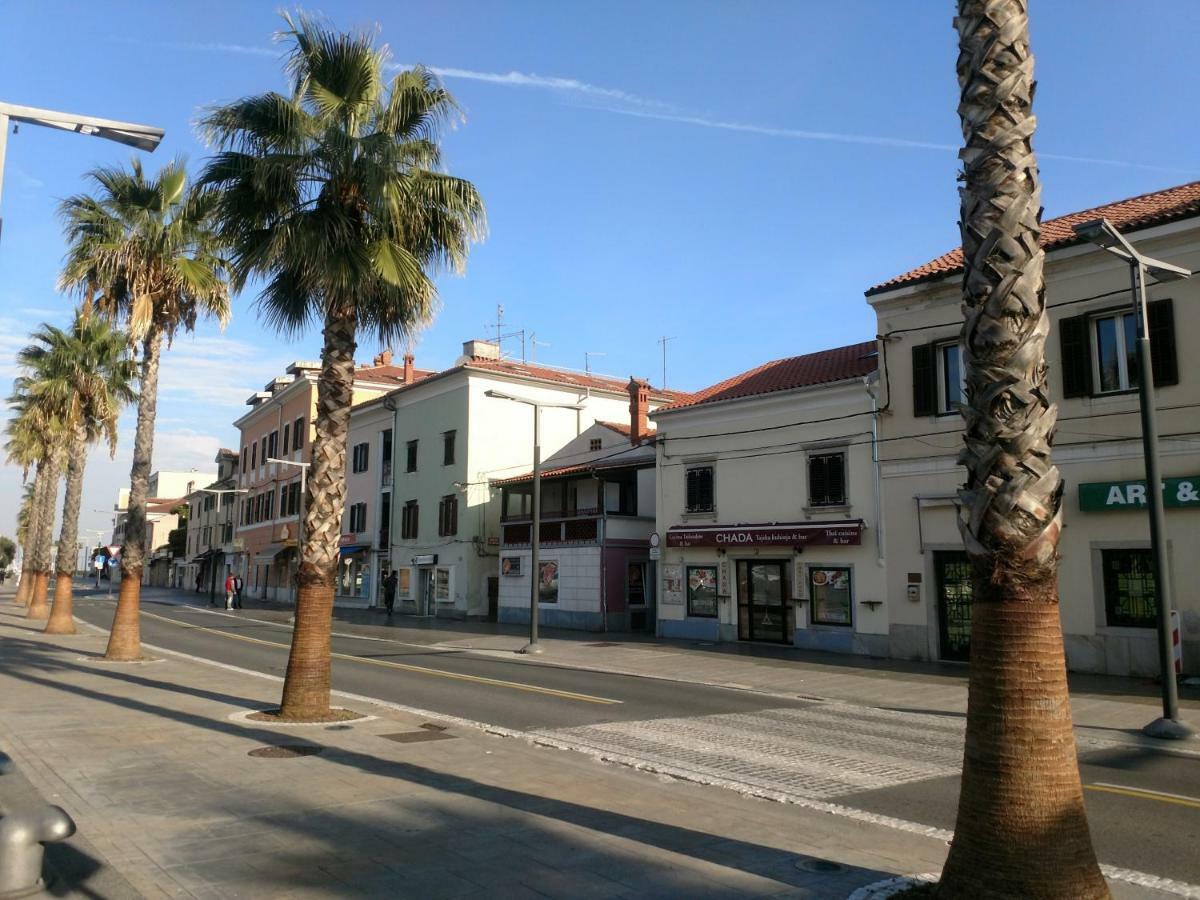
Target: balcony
x,y
386,473
579,527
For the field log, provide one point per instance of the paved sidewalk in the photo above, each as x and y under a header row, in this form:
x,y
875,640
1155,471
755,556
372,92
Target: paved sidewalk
x,y
1104,707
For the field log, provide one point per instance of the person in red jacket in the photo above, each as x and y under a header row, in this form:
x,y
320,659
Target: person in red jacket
x,y
230,587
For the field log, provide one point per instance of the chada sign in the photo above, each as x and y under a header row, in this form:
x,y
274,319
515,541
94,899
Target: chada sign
x,y
1102,496
785,535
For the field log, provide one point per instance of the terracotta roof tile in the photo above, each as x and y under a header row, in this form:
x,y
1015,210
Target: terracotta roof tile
x,y
1156,208
566,376
822,367
388,373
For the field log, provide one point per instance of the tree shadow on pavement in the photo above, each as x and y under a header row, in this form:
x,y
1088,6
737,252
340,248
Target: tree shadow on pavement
x,y
532,840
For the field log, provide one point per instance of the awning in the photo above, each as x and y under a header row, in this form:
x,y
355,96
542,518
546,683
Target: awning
x,y
353,548
775,534
269,552
201,557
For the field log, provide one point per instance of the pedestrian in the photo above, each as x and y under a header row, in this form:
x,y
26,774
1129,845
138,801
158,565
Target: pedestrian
x,y
389,590
237,590
230,587
198,581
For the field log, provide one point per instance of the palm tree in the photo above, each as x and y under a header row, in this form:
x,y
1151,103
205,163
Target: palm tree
x,y
24,514
1021,830
334,197
142,250
86,374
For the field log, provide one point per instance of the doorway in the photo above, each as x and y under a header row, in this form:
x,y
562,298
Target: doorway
x,y
952,574
493,598
425,605
763,610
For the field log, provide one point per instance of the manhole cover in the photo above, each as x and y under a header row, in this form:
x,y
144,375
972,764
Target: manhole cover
x,y
823,866
285,751
417,737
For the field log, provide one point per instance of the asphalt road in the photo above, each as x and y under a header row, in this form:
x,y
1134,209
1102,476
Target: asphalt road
x,y
1143,805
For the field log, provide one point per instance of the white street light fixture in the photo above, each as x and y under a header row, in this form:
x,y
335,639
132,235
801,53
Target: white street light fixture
x,y
143,137
1104,234
535,538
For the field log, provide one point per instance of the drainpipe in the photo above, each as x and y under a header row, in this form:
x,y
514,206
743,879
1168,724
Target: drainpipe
x,y
603,536
880,555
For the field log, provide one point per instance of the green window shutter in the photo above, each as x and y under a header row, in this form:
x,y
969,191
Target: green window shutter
x,y
924,358
1076,356
1163,360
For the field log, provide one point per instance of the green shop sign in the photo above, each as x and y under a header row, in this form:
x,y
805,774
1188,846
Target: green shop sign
x,y
1099,496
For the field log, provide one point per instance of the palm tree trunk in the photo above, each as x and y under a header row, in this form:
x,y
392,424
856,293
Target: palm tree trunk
x,y
1022,830
44,543
25,587
125,639
61,621
306,686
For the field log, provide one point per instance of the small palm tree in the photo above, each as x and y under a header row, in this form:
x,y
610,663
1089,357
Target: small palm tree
x,y
86,374
24,514
142,250
1022,830
333,196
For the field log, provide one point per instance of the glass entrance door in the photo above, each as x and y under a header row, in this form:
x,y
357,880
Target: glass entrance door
x,y
763,610
953,575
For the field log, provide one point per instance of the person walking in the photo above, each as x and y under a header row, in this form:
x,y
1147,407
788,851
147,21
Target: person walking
x,y
230,588
237,590
389,590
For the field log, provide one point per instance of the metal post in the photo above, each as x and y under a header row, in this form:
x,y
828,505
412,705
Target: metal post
x,y
536,537
1169,725
3,148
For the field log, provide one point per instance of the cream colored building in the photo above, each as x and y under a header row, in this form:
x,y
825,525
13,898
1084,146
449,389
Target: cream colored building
x,y
768,507
1106,582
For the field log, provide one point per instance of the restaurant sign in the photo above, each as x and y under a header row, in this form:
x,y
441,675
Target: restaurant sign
x,y
782,535
1102,496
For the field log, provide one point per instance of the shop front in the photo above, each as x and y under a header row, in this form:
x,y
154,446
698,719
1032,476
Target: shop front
x,y
353,586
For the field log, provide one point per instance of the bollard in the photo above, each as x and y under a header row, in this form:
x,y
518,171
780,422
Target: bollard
x,y
22,836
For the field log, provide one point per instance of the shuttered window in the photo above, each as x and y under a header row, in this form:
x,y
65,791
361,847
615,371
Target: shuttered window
x,y
448,516
408,520
1098,356
700,489
827,479
925,380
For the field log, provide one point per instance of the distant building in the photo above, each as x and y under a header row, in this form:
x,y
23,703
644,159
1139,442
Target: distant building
x,y
210,545
167,491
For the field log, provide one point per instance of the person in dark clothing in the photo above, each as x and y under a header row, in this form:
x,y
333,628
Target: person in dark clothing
x,y
389,590
237,591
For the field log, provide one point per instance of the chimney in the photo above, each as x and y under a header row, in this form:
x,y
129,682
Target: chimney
x,y
409,375
385,358
480,349
639,410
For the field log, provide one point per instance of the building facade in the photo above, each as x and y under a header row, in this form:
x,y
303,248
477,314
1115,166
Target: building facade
x,y
1107,582
768,507
165,493
212,512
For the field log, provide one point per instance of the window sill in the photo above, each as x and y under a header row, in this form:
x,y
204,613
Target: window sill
x,y
841,509
695,516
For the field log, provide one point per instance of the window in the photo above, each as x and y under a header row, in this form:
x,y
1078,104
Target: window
x,y
1130,591
448,448
448,516
254,455
385,520
951,378
620,494
269,505
702,591
358,518
243,460
594,444
827,479
1099,354
262,451
359,457
700,489
829,589
298,433
411,462
385,455
289,499
408,520
273,444
287,431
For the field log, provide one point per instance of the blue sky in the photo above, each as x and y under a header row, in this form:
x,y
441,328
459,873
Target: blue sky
x,y
731,175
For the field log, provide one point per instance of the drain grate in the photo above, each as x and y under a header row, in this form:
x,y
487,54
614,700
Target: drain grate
x,y
417,737
823,866
285,751
603,644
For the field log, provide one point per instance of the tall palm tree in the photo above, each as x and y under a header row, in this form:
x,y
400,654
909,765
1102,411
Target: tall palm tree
x,y
142,250
1021,830
335,198
24,514
86,374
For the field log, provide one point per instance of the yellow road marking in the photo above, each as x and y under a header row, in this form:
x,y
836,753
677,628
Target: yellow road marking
x,y
1145,795
407,667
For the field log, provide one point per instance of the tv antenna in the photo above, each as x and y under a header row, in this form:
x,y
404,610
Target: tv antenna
x,y
587,359
501,336
663,341
534,343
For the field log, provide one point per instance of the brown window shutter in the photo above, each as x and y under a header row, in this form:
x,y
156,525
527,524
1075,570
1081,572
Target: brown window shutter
x,y
924,380
1163,362
1076,356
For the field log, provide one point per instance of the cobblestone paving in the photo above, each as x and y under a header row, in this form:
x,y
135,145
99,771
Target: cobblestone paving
x,y
818,752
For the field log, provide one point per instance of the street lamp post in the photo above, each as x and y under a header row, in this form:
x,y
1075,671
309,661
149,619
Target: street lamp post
x,y
1104,234
535,538
303,467
212,570
144,137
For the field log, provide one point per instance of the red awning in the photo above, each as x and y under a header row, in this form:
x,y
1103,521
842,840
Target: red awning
x,y
778,534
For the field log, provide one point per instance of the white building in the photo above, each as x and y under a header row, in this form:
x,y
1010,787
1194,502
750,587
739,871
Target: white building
x,y
768,507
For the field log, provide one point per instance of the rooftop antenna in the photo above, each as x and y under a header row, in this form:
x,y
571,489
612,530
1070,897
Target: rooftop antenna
x,y
663,341
534,343
587,359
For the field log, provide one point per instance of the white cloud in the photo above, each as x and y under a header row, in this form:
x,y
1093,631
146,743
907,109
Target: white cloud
x,y
215,371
